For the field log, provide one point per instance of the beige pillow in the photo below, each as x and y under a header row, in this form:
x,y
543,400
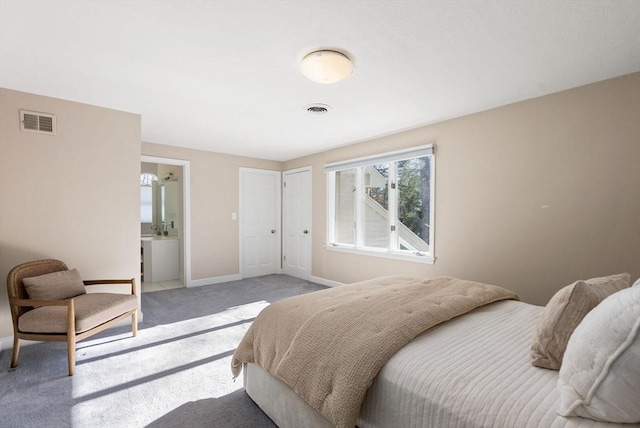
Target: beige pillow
x,y
564,312
55,286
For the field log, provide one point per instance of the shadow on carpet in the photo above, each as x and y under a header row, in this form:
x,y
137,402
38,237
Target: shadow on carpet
x,y
235,410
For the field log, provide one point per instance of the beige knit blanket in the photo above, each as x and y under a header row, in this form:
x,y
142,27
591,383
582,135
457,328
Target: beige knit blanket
x,y
329,345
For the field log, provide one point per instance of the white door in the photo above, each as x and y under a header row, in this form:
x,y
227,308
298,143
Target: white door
x,y
296,222
259,222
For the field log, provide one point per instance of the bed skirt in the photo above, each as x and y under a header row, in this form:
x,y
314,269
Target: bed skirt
x,y
279,402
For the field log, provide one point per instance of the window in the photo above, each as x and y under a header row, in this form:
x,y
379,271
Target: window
x,y
383,205
146,197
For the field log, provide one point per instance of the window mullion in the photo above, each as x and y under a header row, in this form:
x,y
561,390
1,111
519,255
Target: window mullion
x,y
359,220
393,206
331,208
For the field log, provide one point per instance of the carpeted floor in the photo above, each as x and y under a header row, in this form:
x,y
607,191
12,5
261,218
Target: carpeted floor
x,y
176,373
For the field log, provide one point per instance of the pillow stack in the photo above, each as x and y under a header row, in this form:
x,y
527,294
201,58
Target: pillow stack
x,y
600,374
564,312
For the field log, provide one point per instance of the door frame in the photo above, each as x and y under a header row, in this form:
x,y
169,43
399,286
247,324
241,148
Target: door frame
x,y
186,208
310,244
278,218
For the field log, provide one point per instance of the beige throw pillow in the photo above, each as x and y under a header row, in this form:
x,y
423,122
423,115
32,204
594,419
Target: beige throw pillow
x,y
564,312
55,286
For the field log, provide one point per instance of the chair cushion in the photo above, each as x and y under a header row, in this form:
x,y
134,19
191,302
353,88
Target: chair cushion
x,y
55,286
91,309
564,312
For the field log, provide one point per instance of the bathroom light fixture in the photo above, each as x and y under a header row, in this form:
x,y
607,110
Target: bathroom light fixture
x,y
326,66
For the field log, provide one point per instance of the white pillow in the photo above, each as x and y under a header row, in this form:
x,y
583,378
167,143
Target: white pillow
x,y
637,283
600,374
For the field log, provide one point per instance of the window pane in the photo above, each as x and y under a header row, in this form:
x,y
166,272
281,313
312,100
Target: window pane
x,y
345,206
145,204
413,203
376,206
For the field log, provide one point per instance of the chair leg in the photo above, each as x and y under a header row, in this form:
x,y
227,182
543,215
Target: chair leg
x,y
16,351
71,351
134,323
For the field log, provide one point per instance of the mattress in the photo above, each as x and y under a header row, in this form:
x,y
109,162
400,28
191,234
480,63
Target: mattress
x,y
473,371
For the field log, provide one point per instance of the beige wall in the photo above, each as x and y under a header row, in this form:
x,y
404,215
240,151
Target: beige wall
x,y
214,197
530,196
576,152
69,196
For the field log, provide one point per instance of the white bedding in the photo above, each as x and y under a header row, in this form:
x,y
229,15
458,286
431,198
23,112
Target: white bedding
x,y
472,371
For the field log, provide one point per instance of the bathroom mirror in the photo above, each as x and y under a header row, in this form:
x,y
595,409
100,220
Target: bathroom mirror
x,y
160,200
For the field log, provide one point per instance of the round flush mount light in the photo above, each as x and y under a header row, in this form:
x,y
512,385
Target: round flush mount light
x,y
326,66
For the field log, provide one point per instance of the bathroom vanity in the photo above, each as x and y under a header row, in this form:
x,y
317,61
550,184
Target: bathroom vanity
x,y
160,258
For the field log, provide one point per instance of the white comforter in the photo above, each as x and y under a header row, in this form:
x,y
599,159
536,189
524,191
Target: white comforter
x,y
472,371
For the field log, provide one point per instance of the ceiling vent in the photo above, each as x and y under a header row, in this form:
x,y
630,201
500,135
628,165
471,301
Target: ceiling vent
x,y
318,108
40,123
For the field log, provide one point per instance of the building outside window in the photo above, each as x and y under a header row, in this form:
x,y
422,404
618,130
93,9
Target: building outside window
x,y
383,205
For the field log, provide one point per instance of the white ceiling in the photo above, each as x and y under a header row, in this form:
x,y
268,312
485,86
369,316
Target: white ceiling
x,y
224,75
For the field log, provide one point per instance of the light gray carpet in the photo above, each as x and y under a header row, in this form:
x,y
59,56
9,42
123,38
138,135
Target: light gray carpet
x,y
176,373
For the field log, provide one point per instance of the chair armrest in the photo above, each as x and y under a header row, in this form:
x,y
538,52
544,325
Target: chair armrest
x,y
131,281
31,302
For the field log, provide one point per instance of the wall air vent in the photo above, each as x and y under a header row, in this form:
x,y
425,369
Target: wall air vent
x,y
40,123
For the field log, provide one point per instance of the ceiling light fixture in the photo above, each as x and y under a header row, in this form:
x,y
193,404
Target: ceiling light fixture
x,y
326,66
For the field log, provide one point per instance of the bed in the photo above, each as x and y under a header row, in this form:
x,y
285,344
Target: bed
x,y
473,370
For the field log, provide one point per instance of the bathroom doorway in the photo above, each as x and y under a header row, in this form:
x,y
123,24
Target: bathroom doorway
x,y
164,224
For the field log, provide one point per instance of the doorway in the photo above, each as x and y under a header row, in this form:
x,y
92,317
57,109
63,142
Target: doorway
x,y
296,222
259,222
165,261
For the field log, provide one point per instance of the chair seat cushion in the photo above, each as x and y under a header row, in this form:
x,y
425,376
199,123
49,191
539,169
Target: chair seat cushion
x,y
91,310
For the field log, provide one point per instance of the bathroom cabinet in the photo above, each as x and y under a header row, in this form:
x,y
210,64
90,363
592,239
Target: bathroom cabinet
x,y
160,258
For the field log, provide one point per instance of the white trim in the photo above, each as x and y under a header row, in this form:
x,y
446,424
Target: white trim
x,y
413,152
325,282
6,343
278,219
432,211
331,208
215,280
296,170
359,204
186,207
384,253
393,251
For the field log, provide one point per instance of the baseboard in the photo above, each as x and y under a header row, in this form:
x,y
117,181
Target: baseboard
x,y
214,280
323,281
6,343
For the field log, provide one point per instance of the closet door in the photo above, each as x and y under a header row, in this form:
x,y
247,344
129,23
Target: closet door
x,y
259,222
296,223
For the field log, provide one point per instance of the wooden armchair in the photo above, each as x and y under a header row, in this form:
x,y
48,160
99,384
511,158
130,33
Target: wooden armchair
x,y
64,320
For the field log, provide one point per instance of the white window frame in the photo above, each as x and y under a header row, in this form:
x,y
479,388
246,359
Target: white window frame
x,y
359,247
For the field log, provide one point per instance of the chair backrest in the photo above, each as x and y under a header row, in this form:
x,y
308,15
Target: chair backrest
x,y
15,287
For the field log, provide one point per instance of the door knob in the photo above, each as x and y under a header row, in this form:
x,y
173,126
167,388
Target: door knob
x,y
305,231
273,231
